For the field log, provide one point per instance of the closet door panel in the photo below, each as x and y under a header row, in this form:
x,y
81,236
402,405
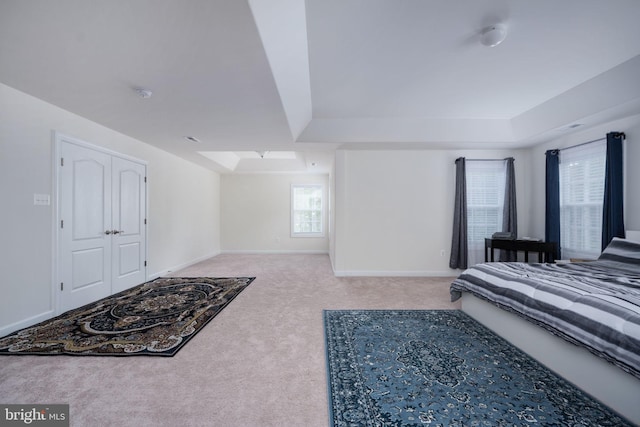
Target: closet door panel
x,y
129,201
85,211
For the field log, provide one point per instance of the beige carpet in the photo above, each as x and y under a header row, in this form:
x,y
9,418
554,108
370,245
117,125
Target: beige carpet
x,y
260,362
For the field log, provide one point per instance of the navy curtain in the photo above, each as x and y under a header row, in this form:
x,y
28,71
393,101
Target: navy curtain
x,y
458,258
510,212
612,209
552,198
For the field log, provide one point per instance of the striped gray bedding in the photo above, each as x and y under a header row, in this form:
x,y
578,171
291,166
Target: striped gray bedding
x,y
592,304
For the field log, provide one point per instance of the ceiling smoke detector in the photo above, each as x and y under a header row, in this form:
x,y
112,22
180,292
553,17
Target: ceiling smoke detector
x,y
143,93
493,35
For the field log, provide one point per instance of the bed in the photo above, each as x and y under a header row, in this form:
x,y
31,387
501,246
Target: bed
x,y
581,319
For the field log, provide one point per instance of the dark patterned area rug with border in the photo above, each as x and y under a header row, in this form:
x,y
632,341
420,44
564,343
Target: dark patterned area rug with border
x,y
442,368
156,318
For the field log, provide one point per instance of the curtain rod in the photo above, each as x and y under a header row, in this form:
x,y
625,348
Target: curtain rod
x,y
590,142
582,143
487,160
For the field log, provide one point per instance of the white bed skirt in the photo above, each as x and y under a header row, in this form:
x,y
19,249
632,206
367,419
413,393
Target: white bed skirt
x,y
597,377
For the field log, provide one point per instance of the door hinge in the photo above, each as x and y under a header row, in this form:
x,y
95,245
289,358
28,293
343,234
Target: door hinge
x,y
62,286
145,179
145,263
62,223
145,221
61,161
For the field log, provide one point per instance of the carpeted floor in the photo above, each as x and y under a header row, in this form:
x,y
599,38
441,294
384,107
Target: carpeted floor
x,y
260,362
441,367
156,318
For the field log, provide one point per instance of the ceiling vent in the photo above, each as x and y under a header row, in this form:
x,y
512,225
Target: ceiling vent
x,y
143,93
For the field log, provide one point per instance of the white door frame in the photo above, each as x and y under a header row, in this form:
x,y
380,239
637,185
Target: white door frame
x,y
58,139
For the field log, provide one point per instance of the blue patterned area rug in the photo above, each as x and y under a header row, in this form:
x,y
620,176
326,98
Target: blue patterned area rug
x,y
442,368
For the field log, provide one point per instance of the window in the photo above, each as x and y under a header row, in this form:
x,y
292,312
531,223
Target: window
x,y
485,204
581,196
307,211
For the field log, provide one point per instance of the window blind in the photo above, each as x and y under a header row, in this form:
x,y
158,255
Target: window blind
x,y
582,171
485,200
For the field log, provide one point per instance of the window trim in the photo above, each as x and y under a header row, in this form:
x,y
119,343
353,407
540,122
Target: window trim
x,y
321,233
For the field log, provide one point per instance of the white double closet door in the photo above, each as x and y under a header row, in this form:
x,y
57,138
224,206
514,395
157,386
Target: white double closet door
x,y
101,248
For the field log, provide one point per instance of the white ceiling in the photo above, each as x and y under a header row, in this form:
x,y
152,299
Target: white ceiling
x,y
308,77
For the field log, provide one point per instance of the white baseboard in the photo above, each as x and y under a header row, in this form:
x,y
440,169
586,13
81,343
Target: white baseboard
x,y
274,252
181,266
393,273
6,330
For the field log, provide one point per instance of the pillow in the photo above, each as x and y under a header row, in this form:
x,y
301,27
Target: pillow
x,y
622,250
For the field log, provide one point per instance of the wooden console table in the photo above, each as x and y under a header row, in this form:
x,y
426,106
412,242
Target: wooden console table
x,y
547,251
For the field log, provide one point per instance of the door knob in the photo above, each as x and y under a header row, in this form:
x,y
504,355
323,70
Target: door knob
x,y
118,231
107,232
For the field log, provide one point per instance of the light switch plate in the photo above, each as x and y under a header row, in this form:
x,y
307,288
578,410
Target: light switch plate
x,y
41,199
